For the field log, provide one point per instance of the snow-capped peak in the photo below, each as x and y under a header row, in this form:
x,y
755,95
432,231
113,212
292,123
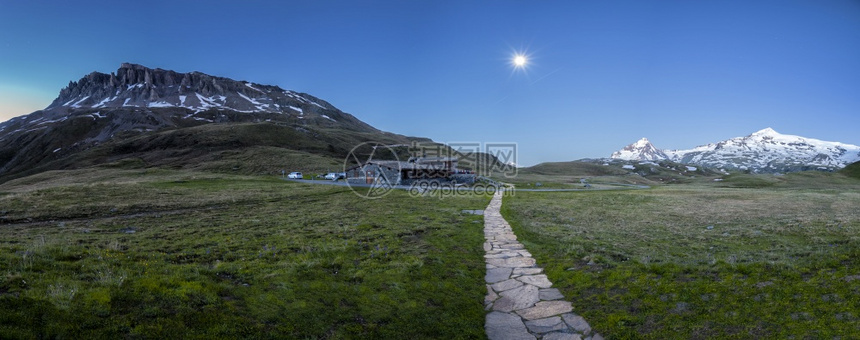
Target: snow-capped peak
x,y
766,132
762,151
642,150
642,142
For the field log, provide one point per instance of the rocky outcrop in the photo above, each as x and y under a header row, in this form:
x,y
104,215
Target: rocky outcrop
x,y
135,85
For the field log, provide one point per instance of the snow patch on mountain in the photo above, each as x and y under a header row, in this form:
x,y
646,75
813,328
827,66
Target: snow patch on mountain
x,y
252,86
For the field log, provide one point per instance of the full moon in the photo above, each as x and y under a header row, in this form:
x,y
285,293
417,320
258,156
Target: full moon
x,y
520,60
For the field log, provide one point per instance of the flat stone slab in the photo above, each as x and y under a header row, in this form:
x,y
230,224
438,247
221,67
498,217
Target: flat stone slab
x,y
491,295
527,271
546,325
506,285
512,262
561,336
550,294
577,322
513,246
502,255
497,275
506,326
545,309
505,237
517,298
538,280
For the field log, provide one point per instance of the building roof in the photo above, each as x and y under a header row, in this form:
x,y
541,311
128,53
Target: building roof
x,y
432,159
394,165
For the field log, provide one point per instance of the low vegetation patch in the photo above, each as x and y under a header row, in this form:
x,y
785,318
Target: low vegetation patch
x,y
172,254
852,170
697,262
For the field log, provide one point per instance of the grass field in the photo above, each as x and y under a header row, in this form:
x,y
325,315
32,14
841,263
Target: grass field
x,y
749,257
152,253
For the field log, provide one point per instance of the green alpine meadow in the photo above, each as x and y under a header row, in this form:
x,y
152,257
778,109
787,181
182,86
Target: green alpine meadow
x,y
150,253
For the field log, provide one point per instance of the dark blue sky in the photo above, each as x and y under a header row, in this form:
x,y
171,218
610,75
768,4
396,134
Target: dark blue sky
x,y
601,74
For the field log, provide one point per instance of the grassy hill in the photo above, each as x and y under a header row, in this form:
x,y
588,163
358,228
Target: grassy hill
x,y
573,168
244,148
852,170
794,180
568,174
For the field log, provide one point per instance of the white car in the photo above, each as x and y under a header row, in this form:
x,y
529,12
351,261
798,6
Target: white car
x,y
335,176
295,175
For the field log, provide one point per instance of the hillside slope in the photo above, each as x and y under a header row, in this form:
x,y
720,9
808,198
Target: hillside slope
x,y
852,170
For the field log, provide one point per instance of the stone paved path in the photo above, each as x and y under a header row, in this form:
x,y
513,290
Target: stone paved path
x,y
520,299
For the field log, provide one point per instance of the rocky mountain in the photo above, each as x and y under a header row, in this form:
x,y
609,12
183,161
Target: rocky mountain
x,y
137,111
201,95
762,151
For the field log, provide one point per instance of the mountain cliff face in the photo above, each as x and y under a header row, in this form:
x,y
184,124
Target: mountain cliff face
x,y
200,95
136,101
763,151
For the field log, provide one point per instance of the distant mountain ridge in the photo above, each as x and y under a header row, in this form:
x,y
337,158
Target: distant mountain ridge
x,y
762,151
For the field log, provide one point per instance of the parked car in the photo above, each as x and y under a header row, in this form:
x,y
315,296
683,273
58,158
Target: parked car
x,y
295,175
335,176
